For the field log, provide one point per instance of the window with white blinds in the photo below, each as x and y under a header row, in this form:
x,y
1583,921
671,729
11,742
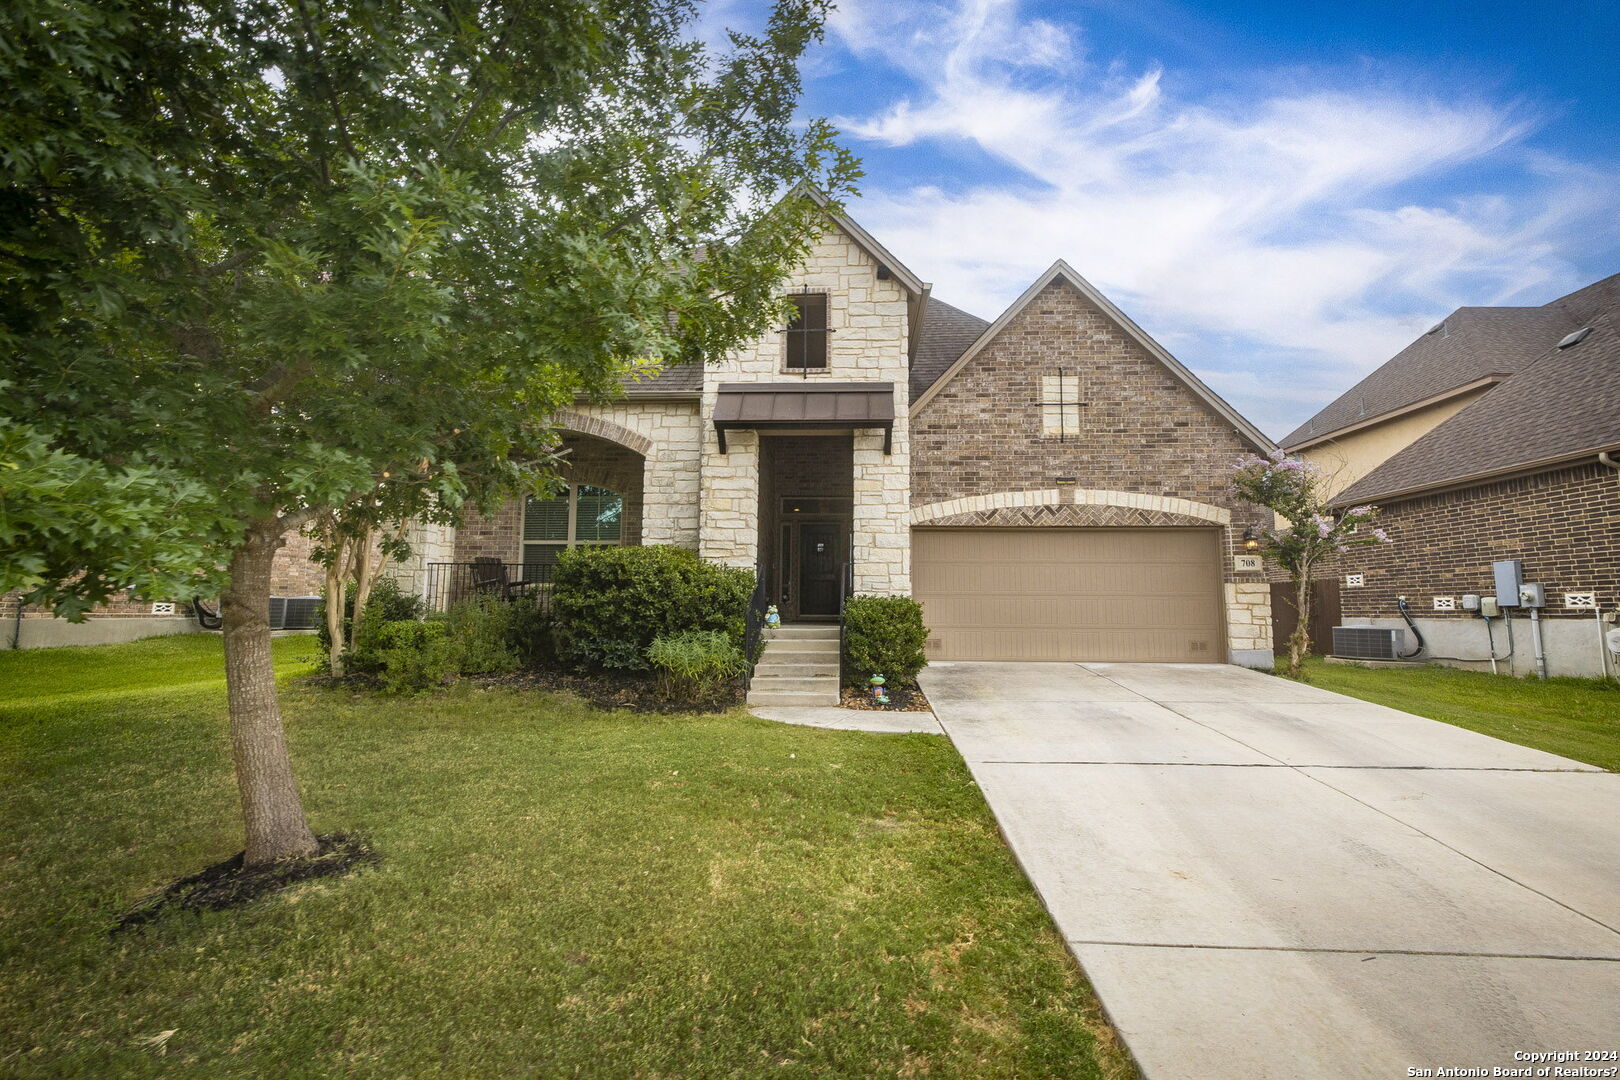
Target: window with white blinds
x,y
583,516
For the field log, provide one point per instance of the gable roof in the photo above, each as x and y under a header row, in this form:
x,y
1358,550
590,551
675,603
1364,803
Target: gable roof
x,y
946,334
1061,270
866,242
1563,404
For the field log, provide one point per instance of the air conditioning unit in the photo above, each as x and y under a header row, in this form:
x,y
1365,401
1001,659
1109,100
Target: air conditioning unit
x,y
300,612
1368,643
278,613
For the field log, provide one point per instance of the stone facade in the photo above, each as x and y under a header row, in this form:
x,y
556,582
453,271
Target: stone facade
x,y
868,341
1138,446
674,434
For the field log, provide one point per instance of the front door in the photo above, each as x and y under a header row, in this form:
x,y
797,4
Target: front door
x,y
818,568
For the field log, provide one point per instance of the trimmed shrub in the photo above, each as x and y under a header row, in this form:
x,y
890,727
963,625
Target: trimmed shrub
x,y
696,665
481,628
415,656
609,603
883,635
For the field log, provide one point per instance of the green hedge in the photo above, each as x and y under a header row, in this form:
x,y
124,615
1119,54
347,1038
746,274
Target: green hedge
x,y
883,635
608,604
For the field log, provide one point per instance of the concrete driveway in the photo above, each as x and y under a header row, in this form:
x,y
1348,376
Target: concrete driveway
x,y
1265,879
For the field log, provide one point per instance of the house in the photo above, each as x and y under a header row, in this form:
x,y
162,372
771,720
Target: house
x,y
1493,436
1051,486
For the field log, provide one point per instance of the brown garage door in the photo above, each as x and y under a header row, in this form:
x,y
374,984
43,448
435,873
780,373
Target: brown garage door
x,y
1070,594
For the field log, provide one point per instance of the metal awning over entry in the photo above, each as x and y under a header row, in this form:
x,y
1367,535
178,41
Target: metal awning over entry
x,y
807,406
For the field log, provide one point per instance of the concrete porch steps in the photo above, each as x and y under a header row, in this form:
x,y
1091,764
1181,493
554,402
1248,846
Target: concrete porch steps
x,y
799,667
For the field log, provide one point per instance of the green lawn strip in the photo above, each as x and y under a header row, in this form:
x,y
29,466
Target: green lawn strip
x,y
32,676
563,892
1574,718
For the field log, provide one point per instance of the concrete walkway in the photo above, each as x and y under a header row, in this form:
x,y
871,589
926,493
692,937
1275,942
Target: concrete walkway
x,y
1265,879
831,716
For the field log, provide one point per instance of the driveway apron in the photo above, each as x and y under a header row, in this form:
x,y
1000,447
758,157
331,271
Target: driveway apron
x,y
1266,879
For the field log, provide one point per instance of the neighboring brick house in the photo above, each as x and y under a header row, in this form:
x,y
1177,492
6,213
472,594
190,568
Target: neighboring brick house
x,y
1525,466
1052,486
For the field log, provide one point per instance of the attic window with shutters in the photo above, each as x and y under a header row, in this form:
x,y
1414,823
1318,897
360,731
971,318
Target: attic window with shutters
x,y
807,332
585,516
1060,405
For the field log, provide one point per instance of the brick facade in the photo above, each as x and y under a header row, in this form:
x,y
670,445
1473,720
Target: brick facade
x,y
1563,525
1142,448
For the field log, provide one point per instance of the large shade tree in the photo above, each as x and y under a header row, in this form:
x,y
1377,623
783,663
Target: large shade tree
x,y
260,261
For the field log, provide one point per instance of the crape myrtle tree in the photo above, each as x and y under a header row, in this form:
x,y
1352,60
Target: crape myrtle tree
x,y
265,260
1310,534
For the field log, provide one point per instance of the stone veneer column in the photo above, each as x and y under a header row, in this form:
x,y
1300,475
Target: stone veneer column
x,y
1248,623
728,531
882,516
671,476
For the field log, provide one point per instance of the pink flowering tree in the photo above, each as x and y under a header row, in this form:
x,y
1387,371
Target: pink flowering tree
x,y
1310,534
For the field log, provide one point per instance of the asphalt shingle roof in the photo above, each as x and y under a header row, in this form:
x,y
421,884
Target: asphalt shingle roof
x,y
675,379
1471,343
946,334
1563,402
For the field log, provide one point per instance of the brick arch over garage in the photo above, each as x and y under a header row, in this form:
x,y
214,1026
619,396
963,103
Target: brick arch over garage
x,y
1077,506
599,428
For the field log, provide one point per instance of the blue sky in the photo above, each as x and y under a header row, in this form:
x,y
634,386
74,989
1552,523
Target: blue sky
x,y
1283,194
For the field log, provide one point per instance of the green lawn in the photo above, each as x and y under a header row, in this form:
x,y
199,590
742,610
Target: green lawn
x,y
563,892
1575,718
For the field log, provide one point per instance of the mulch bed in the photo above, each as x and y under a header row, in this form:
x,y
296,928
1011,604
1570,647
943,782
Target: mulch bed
x,y
634,693
229,884
901,699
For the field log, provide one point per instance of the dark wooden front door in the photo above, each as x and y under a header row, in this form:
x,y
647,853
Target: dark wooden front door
x,y
818,568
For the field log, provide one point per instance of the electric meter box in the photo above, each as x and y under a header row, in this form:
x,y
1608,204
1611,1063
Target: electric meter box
x,y
1532,596
1509,576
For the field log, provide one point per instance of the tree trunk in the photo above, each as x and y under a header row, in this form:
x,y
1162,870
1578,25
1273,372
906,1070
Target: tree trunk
x,y
272,811
336,637
1299,642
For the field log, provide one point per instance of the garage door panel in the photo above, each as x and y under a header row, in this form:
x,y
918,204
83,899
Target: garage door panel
x,y
1047,578
1070,594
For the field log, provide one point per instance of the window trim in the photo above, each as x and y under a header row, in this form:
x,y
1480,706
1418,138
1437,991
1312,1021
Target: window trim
x,y
571,532
825,330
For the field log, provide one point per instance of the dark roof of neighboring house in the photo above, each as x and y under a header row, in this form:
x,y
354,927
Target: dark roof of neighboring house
x,y
946,334
1466,347
1562,404
1470,344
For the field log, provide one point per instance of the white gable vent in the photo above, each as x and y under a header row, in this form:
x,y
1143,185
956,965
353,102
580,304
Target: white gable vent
x,y
1576,338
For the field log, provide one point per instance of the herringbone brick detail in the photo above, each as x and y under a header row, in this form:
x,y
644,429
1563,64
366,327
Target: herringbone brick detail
x,y
1086,516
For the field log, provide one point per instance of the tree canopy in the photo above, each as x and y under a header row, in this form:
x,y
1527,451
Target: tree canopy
x,y
291,254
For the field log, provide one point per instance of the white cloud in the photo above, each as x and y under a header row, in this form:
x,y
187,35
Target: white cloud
x,y
1274,239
